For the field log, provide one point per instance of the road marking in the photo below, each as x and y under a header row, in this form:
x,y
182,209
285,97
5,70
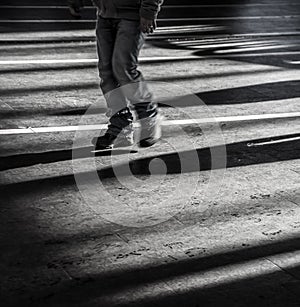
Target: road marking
x,y
183,29
46,21
37,7
88,35
165,6
230,5
151,59
274,142
180,122
56,61
236,118
70,61
293,62
246,49
240,46
231,18
160,19
222,43
251,54
178,28
229,36
290,33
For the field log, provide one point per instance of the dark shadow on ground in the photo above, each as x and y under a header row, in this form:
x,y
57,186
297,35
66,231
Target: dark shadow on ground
x,y
238,95
245,94
254,93
263,288
279,57
52,88
23,160
71,111
238,154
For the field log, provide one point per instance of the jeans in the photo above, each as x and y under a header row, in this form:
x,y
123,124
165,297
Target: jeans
x,y
119,42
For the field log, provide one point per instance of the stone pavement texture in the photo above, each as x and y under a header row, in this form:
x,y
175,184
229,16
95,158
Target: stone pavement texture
x,y
231,238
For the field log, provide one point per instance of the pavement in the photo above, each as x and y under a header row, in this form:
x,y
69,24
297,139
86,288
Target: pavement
x,y
209,216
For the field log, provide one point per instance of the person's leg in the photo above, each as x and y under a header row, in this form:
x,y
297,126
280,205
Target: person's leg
x,y
120,115
129,41
106,36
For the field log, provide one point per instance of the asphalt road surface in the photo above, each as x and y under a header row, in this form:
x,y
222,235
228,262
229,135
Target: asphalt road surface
x,y
209,216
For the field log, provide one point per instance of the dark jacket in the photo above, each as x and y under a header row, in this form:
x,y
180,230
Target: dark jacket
x,y
128,9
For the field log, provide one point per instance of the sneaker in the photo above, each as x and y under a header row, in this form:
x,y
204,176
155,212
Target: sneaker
x,y
110,141
150,130
119,133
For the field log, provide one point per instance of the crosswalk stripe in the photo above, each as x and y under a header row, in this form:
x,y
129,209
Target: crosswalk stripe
x,y
77,61
293,62
88,35
193,6
151,59
160,19
180,122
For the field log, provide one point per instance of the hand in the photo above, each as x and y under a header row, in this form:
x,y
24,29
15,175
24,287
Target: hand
x,y
148,25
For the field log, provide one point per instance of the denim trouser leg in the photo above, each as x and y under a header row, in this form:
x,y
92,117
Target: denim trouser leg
x,y
106,35
129,42
119,42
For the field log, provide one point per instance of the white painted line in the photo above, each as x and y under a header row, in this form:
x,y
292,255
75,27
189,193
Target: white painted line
x,y
232,5
240,47
291,33
232,18
231,118
293,62
188,30
16,131
205,41
194,44
160,19
179,122
77,61
52,129
254,54
232,36
83,35
235,36
273,142
150,59
181,27
165,6
69,128
246,49
56,61
15,7
47,21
